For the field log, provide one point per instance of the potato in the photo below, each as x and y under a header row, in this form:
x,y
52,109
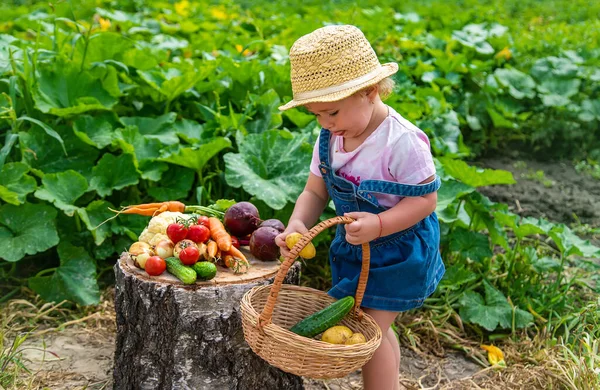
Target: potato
x,y
356,338
337,334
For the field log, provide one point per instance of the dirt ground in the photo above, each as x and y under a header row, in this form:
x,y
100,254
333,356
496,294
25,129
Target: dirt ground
x,y
558,193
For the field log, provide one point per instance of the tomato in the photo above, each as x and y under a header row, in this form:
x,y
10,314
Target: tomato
x,y
203,220
155,265
235,242
189,255
198,233
177,232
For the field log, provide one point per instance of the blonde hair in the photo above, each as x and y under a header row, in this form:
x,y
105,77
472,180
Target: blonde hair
x,y
386,87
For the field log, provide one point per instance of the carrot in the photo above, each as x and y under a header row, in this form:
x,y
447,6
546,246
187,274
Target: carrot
x,y
235,252
152,209
238,266
219,234
212,248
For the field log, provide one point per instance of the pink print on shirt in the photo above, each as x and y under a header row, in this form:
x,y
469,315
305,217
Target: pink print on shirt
x,y
355,180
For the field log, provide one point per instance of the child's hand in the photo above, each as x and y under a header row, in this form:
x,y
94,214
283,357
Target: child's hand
x,y
292,227
365,229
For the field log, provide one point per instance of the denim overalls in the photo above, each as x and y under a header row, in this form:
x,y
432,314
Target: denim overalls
x,y
406,266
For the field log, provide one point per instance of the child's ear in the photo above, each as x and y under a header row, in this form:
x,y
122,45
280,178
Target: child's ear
x,y
371,92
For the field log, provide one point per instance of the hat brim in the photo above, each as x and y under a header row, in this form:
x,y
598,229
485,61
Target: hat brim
x,y
386,70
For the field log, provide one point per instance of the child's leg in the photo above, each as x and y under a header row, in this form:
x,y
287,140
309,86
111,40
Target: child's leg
x,y
382,371
395,346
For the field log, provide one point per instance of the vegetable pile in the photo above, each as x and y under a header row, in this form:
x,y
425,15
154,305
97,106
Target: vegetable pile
x,y
191,246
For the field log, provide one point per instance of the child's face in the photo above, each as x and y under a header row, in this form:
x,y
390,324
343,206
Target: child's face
x,y
346,118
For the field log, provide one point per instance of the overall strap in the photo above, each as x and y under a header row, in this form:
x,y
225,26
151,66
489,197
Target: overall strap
x,y
391,188
324,147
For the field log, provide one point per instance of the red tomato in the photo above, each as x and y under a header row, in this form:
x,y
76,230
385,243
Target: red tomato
x,y
189,255
203,220
177,232
235,242
155,265
198,233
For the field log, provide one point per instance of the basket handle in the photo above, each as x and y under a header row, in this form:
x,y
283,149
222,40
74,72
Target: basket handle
x,y
265,316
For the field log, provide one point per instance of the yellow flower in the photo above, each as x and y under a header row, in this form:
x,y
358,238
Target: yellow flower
x,y
239,49
218,13
104,24
504,53
495,355
182,8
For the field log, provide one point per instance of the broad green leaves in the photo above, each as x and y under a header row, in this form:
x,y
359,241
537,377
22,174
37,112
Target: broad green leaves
x,y
492,312
26,230
475,177
15,184
63,90
74,279
113,173
273,166
63,189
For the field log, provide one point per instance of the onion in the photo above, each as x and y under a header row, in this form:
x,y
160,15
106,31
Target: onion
x,y
164,249
140,252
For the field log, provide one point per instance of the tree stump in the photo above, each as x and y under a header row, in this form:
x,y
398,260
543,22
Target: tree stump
x,y
173,336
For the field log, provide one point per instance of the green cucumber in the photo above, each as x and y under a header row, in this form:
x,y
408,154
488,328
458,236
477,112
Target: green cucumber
x,y
186,274
205,270
324,319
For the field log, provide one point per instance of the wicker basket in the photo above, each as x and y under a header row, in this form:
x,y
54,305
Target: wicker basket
x,y
269,311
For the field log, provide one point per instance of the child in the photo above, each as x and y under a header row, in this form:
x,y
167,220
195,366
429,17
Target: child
x,y
378,169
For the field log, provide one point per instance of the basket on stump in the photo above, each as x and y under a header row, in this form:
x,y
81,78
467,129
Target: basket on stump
x,y
268,312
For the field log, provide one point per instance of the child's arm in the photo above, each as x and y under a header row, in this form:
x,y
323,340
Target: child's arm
x,y
308,209
406,213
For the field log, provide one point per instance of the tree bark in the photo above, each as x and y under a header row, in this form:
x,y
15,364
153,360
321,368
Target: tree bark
x,y
172,336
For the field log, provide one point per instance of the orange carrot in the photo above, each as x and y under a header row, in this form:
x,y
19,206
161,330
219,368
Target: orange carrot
x,y
219,234
152,209
235,252
212,248
238,266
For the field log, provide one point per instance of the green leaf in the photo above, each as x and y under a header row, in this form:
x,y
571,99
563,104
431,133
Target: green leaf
x,y
500,121
26,230
571,244
188,130
63,189
273,166
519,84
492,313
475,177
456,276
173,80
475,35
15,184
113,173
196,157
62,89
175,184
93,215
450,191
470,245
159,128
267,115
10,140
590,110
445,128
74,279
47,129
95,130
41,152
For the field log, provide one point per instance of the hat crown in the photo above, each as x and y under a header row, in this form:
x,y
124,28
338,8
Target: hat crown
x,y
330,56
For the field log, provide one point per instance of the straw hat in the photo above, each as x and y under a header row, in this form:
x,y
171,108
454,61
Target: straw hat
x,y
332,63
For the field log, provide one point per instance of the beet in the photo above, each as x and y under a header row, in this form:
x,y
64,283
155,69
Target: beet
x,y
262,243
241,219
274,223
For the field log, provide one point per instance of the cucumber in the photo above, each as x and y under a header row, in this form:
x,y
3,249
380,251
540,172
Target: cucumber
x,y
324,319
205,270
186,274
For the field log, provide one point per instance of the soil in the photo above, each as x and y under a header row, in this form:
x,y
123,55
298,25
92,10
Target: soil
x,y
552,190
